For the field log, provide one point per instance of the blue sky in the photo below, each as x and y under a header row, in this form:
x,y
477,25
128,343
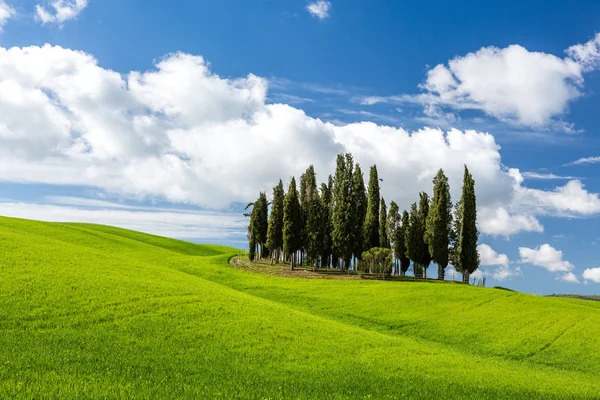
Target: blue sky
x,y
167,118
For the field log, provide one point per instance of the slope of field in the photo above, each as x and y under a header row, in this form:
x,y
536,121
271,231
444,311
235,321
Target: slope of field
x,y
91,311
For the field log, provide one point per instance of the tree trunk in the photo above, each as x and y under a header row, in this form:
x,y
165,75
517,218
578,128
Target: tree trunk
x,y
441,273
465,277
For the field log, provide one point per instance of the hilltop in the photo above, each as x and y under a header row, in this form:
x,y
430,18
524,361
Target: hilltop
x,y
93,311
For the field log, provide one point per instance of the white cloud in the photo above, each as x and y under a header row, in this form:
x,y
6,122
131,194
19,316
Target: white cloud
x,y
512,84
181,133
490,257
499,222
547,257
586,54
537,175
592,274
6,13
572,199
184,224
505,272
568,277
60,11
586,160
319,9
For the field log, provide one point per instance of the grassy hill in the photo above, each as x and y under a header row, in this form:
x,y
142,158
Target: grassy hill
x,y
92,311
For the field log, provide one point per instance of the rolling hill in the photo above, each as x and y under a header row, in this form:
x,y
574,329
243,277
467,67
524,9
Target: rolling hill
x,y
90,311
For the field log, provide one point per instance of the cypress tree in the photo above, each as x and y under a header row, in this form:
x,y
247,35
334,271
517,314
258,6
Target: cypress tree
x,y
359,211
251,245
413,237
257,228
383,226
342,209
468,256
455,235
437,234
393,226
326,199
401,247
423,213
371,228
302,197
262,223
275,229
292,218
312,235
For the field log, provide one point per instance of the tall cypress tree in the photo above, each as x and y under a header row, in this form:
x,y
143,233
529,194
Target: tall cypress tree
x,y
292,218
371,228
423,213
312,234
303,213
393,226
359,211
455,235
262,223
275,229
342,209
383,226
326,227
413,240
401,247
257,229
468,256
437,234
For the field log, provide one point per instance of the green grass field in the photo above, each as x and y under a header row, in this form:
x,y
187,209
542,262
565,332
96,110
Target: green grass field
x,y
90,311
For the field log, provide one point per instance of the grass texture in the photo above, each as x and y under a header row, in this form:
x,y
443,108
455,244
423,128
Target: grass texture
x,y
90,311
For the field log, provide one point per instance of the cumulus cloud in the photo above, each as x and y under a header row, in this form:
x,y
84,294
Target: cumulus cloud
x,y
512,84
547,257
319,9
181,133
505,272
490,257
59,11
568,277
6,13
592,274
499,222
572,199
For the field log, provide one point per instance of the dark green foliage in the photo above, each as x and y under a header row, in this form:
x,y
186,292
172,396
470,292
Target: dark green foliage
x,y
468,256
383,225
371,227
262,223
312,214
359,211
292,219
413,235
258,226
342,209
251,246
401,246
454,235
417,249
393,226
326,224
423,213
437,233
275,230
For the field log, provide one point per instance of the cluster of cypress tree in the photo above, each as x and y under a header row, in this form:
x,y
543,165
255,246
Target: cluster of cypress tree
x,y
344,225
